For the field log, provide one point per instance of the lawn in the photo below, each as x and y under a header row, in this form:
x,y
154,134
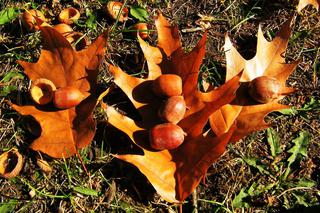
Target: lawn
x,y
271,170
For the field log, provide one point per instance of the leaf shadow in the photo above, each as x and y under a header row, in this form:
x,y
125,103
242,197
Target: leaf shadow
x,y
116,97
242,96
127,177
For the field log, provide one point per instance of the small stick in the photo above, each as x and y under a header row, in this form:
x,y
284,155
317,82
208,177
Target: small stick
x,y
191,30
195,201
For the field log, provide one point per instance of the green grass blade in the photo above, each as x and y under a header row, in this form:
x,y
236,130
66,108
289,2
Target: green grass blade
x,y
86,191
274,142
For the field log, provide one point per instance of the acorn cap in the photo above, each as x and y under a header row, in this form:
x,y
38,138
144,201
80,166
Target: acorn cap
x,y
82,43
42,91
69,15
142,29
113,8
11,163
63,28
66,30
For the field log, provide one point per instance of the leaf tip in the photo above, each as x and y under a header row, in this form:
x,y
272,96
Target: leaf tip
x,y
227,43
158,14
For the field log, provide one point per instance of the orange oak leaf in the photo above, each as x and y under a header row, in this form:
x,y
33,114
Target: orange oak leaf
x,y
173,173
303,3
64,131
246,114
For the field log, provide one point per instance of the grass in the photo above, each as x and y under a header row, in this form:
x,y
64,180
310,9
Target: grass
x,y
274,170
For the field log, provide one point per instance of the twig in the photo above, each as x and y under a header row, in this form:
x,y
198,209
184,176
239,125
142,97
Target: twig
x,y
82,163
195,201
180,208
295,188
191,30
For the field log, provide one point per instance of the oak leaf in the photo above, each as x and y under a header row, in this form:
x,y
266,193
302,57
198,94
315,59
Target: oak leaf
x,y
175,173
64,131
303,3
246,114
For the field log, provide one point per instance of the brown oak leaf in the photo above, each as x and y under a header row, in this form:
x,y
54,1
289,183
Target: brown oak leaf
x,y
64,131
303,3
175,173
246,114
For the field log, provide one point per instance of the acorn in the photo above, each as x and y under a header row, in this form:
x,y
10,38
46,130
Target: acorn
x,y
166,136
67,97
173,109
29,22
264,89
42,91
113,8
11,163
69,15
142,29
167,85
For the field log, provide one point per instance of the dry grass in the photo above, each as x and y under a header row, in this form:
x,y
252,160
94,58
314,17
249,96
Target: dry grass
x,y
120,187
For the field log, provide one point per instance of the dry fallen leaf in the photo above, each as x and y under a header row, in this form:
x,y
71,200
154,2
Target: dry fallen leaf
x,y
175,173
269,60
303,3
64,131
44,165
204,21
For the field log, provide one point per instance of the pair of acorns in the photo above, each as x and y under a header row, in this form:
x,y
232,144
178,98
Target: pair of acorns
x,y
168,135
43,91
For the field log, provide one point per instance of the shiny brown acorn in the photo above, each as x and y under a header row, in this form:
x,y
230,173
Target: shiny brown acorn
x,y
167,85
42,91
69,15
173,109
67,97
29,22
166,136
264,89
142,29
113,8
11,163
